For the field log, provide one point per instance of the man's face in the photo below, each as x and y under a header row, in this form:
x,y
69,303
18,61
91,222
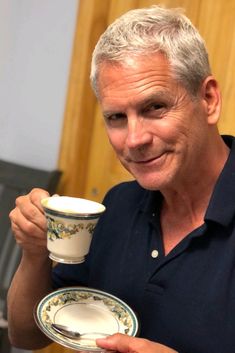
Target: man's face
x,y
157,130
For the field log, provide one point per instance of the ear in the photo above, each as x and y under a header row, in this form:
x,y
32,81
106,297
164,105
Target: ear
x,y
212,99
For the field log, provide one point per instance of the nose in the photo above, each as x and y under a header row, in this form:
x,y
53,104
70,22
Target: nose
x,y
137,133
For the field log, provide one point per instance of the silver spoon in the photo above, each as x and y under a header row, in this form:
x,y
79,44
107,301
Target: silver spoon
x,y
68,332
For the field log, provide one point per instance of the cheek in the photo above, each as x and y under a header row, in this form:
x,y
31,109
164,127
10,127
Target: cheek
x,y
170,131
179,125
117,140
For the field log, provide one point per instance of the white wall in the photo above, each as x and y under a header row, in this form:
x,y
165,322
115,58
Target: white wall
x,y
36,38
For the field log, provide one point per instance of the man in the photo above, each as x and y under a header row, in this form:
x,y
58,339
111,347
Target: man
x,y
165,244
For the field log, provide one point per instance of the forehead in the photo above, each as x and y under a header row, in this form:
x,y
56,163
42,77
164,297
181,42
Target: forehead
x,y
136,78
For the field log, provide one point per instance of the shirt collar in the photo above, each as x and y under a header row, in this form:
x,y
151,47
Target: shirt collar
x,y
221,207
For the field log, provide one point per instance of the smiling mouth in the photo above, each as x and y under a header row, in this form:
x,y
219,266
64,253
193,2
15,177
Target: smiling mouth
x,y
148,161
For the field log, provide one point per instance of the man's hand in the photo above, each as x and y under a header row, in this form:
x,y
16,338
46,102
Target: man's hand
x,y
29,223
126,344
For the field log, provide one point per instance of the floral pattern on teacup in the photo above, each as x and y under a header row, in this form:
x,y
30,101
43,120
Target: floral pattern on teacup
x,y
58,230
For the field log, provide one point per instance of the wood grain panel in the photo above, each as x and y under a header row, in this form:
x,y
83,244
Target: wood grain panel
x,y
81,102
191,8
117,8
217,26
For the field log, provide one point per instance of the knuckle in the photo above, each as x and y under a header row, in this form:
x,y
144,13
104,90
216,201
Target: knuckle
x,y
14,227
20,199
36,194
24,208
11,214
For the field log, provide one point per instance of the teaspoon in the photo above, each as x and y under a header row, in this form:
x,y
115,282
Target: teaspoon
x,y
68,332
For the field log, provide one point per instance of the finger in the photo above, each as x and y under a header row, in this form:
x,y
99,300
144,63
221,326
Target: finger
x,y
36,196
118,342
30,244
35,236
29,241
29,211
35,228
126,344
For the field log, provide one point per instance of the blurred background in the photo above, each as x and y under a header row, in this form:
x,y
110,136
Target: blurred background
x,y
36,40
49,117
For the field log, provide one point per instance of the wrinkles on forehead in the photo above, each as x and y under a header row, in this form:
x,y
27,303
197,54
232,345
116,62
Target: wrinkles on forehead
x,y
138,81
135,69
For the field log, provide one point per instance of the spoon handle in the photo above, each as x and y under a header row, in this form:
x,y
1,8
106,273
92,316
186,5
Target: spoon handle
x,y
67,332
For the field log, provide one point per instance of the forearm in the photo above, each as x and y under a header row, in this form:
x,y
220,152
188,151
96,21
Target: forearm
x,y
31,282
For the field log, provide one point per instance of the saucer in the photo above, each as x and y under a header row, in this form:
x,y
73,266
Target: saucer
x,y
85,310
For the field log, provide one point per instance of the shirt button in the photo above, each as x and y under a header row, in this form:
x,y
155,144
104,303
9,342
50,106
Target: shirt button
x,y
154,254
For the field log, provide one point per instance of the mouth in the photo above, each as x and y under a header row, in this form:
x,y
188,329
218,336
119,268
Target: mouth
x,y
148,161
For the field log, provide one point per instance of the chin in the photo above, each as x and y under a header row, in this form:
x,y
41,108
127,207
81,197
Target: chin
x,y
155,181
151,180
150,184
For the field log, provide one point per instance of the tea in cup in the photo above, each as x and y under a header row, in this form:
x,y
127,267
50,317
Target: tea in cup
x,y
70,225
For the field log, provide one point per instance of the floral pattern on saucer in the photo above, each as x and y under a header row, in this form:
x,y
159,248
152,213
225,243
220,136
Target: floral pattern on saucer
x,y
52,304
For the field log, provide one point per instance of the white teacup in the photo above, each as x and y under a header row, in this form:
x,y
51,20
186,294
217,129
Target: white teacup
x,y
70,225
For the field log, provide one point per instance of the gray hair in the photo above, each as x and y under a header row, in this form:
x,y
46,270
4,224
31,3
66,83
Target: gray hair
x,y
146,31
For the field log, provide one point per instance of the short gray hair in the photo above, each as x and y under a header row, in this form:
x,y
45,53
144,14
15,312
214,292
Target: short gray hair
x,y
146,31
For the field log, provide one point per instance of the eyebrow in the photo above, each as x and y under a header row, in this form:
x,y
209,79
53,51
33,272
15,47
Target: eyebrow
x,y
156,96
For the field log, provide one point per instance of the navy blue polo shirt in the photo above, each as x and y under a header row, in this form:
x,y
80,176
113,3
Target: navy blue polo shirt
x,y
185,300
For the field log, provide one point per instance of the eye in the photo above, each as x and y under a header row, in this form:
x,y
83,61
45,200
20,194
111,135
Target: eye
x,y
115,119
155,110
156,106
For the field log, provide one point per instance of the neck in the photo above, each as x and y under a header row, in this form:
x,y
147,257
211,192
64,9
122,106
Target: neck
x,y
186,202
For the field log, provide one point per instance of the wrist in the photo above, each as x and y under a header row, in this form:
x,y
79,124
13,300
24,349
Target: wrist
x,y
39,259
